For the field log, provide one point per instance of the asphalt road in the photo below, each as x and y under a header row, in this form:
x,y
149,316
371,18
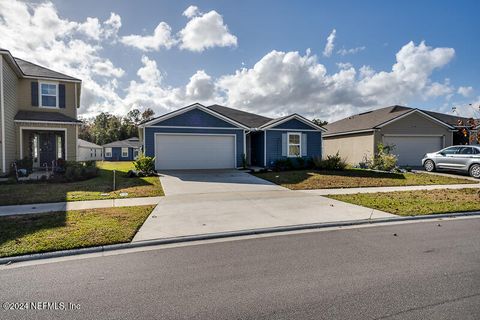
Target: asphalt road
x,y
425,272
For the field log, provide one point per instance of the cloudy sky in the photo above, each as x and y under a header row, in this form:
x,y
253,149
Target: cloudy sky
x,y
322,59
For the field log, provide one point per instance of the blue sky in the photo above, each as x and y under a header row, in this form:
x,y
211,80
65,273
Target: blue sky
x,y
266,33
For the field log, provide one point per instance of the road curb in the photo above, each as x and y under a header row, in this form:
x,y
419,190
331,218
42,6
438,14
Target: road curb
x,y
228,234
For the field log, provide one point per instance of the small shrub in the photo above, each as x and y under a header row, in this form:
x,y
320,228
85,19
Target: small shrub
x,y
283,164
383,159
331,162
300,163
77,171
145,165
25,163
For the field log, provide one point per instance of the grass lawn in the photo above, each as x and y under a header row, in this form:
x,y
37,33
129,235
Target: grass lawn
x,y
412,203
25,234
352,178
24,193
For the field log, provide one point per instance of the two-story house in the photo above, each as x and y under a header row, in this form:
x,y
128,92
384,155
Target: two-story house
x,y
38,113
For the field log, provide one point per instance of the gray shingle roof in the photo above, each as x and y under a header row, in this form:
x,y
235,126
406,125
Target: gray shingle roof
x,y
34,70
246,118
44,116
371,119
87,144
127,143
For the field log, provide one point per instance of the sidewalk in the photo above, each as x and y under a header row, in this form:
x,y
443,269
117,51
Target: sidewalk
x,y
325,192
76,205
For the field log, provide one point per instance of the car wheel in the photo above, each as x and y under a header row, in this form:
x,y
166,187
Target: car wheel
x,y
475,171
429,165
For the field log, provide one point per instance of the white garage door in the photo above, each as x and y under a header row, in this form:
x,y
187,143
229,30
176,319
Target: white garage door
x,y
411,149
194,151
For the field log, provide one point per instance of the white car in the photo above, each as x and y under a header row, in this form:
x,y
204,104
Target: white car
x,y
458,158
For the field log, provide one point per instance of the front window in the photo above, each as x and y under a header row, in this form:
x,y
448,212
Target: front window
x,y
135,153
451,150
49,95
294,144
124,152
108,152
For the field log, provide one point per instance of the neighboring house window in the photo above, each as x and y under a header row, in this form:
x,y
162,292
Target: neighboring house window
x,y
95,152
59,147
135,153
48,95
91,153
124,152
294,144
108,152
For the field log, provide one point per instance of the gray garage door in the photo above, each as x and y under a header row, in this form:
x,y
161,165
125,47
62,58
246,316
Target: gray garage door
x,y
194,151
411,149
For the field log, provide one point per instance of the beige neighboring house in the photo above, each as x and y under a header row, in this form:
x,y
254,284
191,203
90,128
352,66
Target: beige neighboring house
x,y
412,132
38,113
88,151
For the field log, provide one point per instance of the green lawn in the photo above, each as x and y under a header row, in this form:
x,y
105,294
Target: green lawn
x,y
412,203
45,232
352,178
92,189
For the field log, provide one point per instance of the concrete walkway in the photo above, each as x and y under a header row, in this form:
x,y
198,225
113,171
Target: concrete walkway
x,y
76,205
221,201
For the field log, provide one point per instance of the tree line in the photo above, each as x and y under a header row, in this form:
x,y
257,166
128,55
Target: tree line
x,y
106,127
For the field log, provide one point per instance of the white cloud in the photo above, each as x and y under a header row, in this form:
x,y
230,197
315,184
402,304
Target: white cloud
x,y
191,12
287,82
344,52
107,69
465,91
206,31
327,52
149,73
162,37
200,87
112,25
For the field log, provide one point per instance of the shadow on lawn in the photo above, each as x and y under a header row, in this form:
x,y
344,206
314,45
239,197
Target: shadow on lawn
x,y
15,227
58,191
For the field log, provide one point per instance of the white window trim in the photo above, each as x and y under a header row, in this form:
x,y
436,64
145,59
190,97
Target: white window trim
x,y
299,134
108,152
123,152
40,95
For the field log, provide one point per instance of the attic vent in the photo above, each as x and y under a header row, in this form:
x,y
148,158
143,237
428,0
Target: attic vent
x,y
361,114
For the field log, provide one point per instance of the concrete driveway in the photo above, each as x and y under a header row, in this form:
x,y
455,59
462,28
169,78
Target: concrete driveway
x,y
199,202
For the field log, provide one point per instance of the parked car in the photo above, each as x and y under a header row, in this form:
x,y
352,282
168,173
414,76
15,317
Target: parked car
x,y
457,158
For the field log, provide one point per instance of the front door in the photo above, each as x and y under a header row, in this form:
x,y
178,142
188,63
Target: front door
x,y
47,148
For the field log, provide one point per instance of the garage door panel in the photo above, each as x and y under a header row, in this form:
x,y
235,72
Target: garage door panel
x,y
411,149
177,151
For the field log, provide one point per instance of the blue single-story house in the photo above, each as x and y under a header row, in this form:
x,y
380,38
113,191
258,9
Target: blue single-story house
x,y
217,137
124,150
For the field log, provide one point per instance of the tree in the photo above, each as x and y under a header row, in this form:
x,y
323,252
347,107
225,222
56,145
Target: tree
x,y
470,128
319,122
147,114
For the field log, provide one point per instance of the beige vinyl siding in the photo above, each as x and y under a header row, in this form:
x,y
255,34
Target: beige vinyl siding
x,y
415,124
71,140
10,82
354,148
25,98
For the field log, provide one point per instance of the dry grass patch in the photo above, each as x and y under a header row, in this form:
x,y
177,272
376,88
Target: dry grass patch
x,y
353,178
412,203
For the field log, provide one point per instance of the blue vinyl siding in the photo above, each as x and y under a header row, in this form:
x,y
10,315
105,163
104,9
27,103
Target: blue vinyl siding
x,y
274,144
294,124
194,118
117,155
150,138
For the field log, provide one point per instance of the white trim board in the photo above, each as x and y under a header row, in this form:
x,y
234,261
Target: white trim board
x,y
274,123
2,111
43,129
197,134
49,122
327,135
189,108
198,128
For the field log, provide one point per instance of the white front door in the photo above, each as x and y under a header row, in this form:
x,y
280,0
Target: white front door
x,y
194,151
411,149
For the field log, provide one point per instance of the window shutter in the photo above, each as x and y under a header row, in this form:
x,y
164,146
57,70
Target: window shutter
x,y
284,145
304,144
61,95
34,91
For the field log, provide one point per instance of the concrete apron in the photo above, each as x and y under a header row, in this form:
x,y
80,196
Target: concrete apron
x,y
201,213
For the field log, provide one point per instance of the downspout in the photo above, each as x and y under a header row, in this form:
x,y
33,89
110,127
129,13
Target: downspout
x,y
2,110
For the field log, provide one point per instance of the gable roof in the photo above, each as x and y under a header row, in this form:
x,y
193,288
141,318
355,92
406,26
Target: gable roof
x,y
371,120
42,116
249,119
87,144
278,121
133,142
31,70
